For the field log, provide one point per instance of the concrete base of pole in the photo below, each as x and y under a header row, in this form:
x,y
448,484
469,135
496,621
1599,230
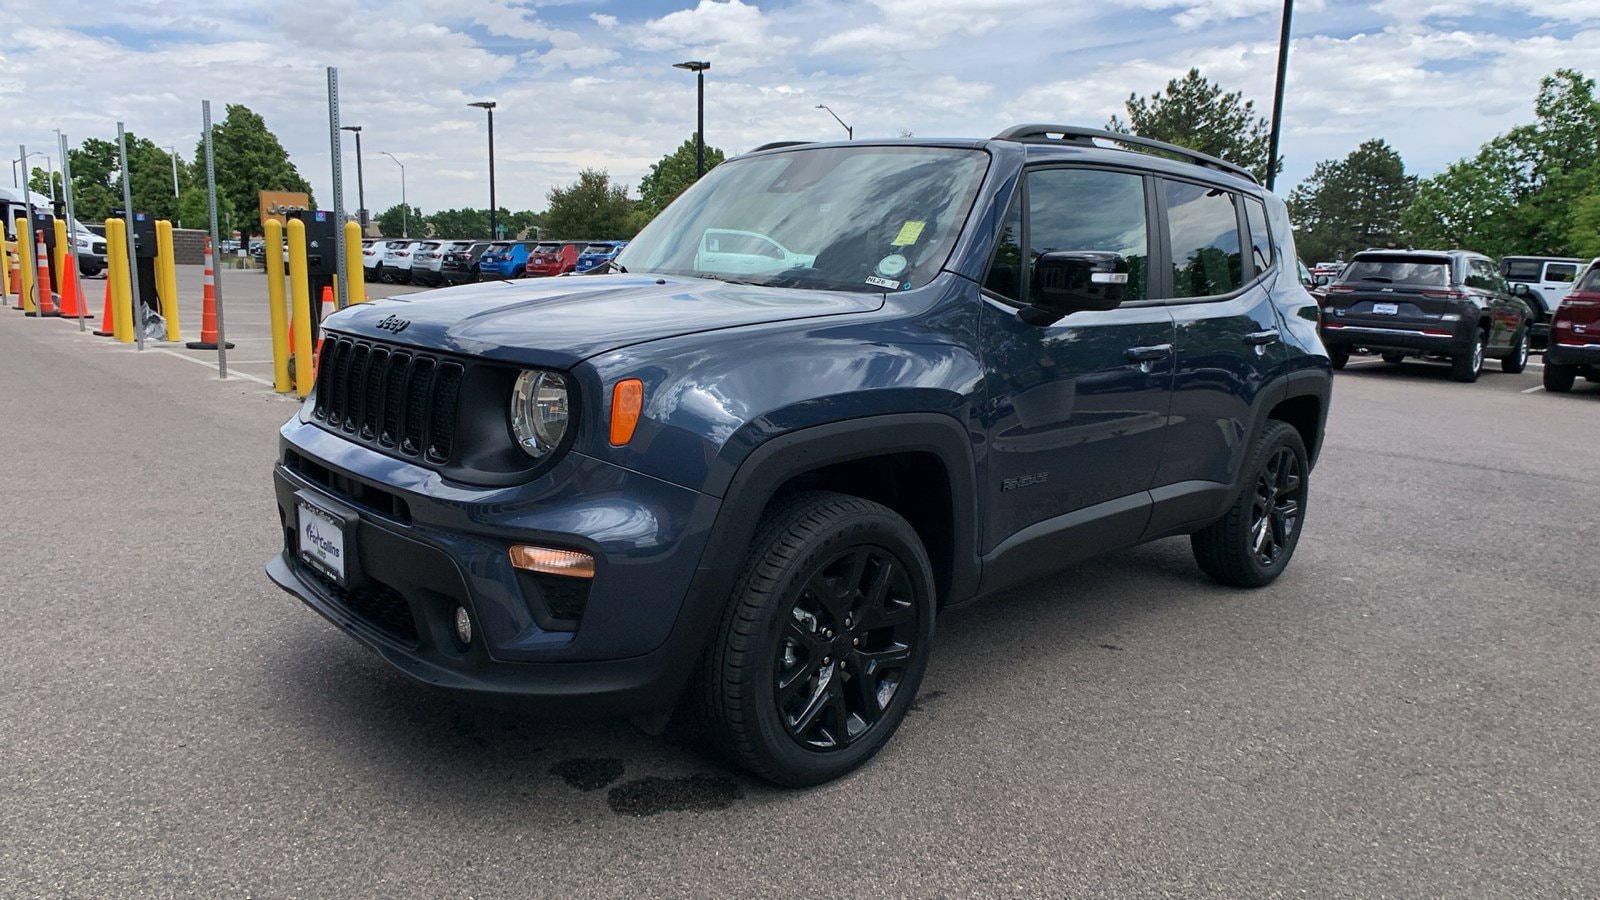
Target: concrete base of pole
x,y
205,345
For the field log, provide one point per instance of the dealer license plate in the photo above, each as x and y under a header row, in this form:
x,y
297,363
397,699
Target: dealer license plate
x,y
1385,309
322,541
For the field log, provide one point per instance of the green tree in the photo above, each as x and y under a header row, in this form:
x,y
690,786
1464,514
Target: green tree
x,y
466,222
399,221
48,185
1353,203
249,159
1192,112
194,210
592,208
1583,232
1522,190
671,176
97,181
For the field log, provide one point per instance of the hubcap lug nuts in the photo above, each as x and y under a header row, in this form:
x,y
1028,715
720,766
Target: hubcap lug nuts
x,y
855,642
827,634
827,660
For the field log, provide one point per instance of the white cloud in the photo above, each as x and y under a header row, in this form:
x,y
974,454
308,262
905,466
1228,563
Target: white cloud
x,y
581,87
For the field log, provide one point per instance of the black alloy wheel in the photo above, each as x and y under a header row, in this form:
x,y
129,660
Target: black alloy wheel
x,y
824,640
1275,512
1253,542
845,650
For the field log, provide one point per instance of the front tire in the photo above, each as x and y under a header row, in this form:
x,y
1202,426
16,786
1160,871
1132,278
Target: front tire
x,y
1251,545
1466,367
824,641
1559,379
1518,360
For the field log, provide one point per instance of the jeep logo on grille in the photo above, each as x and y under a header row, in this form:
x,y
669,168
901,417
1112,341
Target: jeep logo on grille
x,y
394,324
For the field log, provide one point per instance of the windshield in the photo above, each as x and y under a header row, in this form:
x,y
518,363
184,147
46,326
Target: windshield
x,y
841,218
1399,270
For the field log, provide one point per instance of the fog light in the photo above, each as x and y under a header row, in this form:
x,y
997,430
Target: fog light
x,y
463,626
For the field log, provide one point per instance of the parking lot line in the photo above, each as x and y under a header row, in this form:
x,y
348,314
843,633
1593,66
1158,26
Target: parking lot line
x,y
212,363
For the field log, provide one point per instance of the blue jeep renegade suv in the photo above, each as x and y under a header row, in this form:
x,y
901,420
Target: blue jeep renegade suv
x,y
830,391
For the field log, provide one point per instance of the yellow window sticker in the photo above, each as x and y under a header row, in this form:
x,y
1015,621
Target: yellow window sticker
x,y
908,235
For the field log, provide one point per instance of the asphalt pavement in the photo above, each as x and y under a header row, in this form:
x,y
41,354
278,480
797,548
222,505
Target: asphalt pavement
x,y
1410,711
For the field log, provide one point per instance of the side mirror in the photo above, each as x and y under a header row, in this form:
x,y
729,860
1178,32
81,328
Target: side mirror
x,y
1069,281
1521,290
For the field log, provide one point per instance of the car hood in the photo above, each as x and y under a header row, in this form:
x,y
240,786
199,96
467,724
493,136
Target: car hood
x,y
559,322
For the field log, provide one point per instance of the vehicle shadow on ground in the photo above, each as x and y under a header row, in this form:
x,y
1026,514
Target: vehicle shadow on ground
x,y
459,752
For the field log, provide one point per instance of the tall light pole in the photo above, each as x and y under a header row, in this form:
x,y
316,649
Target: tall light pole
x,y
404,230
24,162
699,70
849,133
172,154
361,188
488,107
1277,96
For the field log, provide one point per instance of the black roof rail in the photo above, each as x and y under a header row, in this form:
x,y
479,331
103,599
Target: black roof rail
x,y
1039,134
776,144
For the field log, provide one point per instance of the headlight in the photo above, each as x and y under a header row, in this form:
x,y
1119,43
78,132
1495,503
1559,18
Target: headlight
x,y
539,412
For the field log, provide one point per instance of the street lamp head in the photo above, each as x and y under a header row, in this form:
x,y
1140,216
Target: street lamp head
x,y
692,66
483,104
356,128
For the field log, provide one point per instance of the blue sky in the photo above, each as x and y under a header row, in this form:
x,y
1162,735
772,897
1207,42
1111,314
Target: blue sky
x,y
585,83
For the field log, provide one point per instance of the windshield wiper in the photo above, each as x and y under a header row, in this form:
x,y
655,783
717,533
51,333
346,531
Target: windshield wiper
x,y
610,265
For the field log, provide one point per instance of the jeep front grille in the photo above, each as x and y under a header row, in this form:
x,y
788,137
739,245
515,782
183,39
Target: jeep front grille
x,y
403,401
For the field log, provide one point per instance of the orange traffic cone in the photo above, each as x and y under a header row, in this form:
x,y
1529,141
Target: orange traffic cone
x,y
72,303
47,299
107,324
208,312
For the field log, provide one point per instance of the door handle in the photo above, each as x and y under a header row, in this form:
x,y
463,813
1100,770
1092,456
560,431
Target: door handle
x,y
1258,338
1149,354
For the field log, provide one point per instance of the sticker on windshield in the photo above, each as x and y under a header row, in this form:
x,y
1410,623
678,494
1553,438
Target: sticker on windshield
x,y
889,283
890,266
908,235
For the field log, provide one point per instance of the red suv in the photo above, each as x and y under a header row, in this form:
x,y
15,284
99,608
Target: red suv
x,y
1575,335
553,258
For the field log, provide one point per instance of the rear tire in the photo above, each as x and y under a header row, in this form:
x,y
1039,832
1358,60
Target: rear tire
x,y
1339,356
833,613
1518,360
1466,367
1251,545
1559,379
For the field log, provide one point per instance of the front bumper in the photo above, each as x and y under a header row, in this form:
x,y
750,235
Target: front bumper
x,y
1560,354
420,547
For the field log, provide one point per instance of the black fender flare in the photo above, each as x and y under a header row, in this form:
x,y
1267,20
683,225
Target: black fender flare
x,y
773,463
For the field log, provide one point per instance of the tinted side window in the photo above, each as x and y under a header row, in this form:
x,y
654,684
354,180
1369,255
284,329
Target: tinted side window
x,y
1087,209
1481,274
1562,273
1204,231
1260,242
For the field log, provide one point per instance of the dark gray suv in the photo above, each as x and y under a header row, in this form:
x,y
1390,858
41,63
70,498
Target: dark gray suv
x,y
830,391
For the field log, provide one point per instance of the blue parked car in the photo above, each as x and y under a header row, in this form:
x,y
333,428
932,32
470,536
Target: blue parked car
x,y
597,253
503,259
830,391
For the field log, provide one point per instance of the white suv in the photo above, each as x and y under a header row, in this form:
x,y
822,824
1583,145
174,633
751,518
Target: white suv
x,y
397,261
428,258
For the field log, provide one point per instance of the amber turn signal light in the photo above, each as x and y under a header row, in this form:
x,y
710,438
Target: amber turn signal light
x,y
627,399
549,561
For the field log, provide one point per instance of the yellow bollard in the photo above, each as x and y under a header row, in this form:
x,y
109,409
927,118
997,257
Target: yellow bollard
x,y
277,313
121,281
25,267
5,267
167,278
353,268
305,367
